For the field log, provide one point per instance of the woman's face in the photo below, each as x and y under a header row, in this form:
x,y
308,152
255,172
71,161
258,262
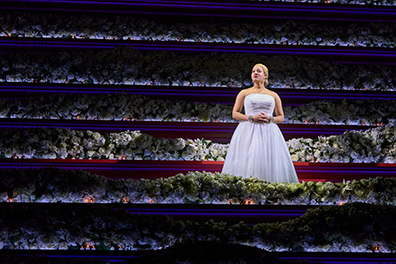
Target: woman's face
x,y
258,74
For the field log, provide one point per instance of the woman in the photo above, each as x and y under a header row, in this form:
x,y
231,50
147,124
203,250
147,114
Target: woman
x,y
257,147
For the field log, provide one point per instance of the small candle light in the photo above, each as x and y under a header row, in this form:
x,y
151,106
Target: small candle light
x,y
249,201
88,247
151,201
341,203
120,248
125,200
376,248
93,247
81,248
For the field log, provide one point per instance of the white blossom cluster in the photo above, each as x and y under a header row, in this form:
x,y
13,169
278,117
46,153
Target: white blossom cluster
x,y
124,106
376,145
123,27
68,227
116,106
128,66
343,112
48,143
52,185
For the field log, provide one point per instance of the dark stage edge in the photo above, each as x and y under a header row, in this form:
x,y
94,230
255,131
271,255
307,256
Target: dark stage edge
x,y
214,131
114,256
238,10
250,214
223,95
338,54
147,169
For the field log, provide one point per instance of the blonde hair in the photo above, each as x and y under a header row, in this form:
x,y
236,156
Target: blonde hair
x,y
265,69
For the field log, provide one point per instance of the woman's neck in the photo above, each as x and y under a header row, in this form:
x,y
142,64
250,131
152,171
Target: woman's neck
x,y
259,86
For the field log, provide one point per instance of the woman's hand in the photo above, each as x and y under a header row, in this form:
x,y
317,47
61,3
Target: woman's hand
x,y
261,118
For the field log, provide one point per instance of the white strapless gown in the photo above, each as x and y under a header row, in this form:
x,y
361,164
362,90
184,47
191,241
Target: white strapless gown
x,y
259,150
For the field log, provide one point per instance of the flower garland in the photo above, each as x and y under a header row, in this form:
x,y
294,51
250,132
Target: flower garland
x,y
128,66
123,27
53,143
52,185
342,112
116,106
376,145
137,107
350,228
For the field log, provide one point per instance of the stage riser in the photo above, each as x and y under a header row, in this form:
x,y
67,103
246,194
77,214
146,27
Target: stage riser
x,y
217,132
116,169
224,95
313,257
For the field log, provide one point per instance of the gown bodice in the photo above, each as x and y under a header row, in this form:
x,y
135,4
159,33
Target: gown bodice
x,y
256,103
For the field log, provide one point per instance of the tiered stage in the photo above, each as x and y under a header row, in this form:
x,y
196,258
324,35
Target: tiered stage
x,y
235,11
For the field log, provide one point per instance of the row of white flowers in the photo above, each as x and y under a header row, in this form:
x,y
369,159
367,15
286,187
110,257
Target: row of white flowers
x,y
128,66
124,106
124,27
53,185
376,145
349,228
53,143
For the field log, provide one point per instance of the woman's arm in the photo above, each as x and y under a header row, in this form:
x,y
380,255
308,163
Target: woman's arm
x,y
236,111
279,116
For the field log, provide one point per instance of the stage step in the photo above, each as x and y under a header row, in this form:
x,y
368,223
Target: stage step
x,y
223,95
313,257
147,169
238,10
328,53
215,131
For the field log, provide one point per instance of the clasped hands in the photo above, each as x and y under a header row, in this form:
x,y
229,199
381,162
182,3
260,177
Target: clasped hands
x,y
261,118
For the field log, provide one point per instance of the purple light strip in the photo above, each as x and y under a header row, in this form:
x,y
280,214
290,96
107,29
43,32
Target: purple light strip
x,y
205,47
220,9
353,258
189,90
331,258
251,6
195,127
320,171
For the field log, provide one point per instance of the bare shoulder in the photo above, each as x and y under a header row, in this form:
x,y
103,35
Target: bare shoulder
x,y
245,92
274,94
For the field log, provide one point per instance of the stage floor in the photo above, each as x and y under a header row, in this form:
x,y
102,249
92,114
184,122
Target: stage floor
x,y
148,169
